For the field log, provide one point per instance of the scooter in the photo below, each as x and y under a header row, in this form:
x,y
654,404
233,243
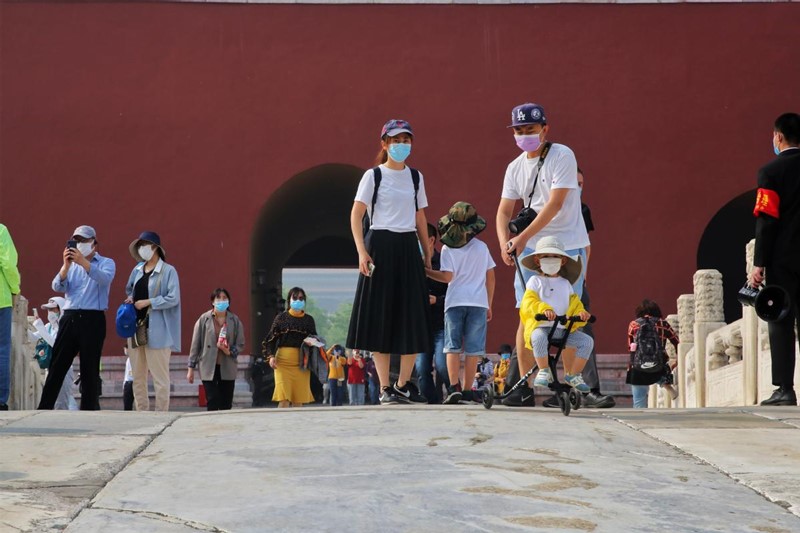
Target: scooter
x,y
568,398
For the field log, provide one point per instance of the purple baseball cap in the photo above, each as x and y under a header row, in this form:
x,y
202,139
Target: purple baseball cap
x,y
396,127
527,114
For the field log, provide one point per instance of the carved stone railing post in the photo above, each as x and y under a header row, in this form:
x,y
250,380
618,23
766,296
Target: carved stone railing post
x,y
750,340
25,388
686,336
709,316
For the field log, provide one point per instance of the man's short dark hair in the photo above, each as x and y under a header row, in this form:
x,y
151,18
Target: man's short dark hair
x,y
789,125
433,231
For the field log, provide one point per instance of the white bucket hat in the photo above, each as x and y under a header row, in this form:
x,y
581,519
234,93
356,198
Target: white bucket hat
x,y
571,270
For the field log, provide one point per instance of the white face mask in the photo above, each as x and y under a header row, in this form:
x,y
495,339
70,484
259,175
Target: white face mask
x,y
52,317
85,248
146,252
550,265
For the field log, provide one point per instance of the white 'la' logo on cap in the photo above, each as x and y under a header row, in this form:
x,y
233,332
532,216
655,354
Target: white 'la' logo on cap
x,y
520,114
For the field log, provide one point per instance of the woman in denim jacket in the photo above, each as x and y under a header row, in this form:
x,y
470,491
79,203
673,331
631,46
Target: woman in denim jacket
x,y
154,290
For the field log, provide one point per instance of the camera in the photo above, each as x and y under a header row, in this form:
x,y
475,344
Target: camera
x,y
523,219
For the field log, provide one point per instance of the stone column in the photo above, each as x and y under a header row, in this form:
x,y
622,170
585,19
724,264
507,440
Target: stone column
x,y
750,340
25,388
709,316
686,337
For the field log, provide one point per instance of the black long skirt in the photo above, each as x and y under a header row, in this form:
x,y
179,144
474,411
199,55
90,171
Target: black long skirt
x,y
391,311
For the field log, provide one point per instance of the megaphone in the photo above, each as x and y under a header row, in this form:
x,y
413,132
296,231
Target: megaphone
x,y
770,303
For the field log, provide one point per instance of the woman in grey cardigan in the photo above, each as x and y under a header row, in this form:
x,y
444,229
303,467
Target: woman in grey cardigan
x,y
154,290
217,340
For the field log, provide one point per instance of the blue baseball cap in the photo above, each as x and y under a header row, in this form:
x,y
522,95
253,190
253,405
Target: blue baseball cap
x,y
527,114
126,321
396,127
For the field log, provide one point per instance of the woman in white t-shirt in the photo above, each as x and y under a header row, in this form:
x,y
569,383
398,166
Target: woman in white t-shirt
x,y
391,307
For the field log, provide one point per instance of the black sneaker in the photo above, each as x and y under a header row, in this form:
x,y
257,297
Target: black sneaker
x,y
453,394
3,407
388,396
521,397
551,402
408,393
595,400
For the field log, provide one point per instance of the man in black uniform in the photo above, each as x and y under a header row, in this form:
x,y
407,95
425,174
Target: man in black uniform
x,y
777,253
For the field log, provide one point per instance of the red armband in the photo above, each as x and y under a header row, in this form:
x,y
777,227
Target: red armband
x,y
767,202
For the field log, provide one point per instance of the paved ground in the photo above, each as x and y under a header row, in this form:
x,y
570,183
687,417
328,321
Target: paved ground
x,y
387,469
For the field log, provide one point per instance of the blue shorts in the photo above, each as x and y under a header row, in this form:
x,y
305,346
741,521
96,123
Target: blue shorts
x,y
519,290
465,330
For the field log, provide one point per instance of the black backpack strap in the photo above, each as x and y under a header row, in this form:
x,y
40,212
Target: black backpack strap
x,y
415,179
376,173
544,153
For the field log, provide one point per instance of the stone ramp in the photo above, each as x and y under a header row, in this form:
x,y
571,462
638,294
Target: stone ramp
x,y
399,468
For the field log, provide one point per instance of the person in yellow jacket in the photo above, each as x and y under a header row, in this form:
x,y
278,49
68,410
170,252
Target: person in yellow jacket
x,y
9,288
336,375
551,294
501,369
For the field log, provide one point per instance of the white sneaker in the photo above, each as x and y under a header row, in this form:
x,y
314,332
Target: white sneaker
x,y
543,378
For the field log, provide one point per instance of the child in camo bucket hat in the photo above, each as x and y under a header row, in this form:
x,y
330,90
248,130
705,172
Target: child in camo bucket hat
x,y
460,225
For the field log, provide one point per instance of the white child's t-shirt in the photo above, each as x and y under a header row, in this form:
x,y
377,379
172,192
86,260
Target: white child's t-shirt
x,y
469,265
559,171
555,292
394,207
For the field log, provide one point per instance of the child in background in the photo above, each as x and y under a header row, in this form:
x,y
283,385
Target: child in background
x,y
127,385
336,362
468,269
501,369
551,294
640,381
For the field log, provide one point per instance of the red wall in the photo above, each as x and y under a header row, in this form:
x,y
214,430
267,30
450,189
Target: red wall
x,y
184,118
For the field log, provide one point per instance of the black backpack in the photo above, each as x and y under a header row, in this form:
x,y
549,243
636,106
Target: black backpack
x,y
649,354
365,220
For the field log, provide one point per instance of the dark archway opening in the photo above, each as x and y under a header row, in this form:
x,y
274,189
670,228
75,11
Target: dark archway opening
x,y
305,223
722,248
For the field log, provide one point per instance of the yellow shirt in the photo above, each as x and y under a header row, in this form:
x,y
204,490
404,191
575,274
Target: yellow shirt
x,y
336,367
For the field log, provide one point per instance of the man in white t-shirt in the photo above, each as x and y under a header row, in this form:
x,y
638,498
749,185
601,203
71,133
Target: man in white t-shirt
x,y
544,177
468,269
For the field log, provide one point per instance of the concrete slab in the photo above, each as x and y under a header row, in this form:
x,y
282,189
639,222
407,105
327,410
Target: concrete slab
x,y
88,423
430,469
53,463
764,457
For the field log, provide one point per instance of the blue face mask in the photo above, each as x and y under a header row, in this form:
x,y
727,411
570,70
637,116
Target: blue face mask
x,y
506,356
297,305
222,306
776,150
399,151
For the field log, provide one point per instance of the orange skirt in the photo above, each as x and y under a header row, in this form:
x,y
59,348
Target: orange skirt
x,y
291,383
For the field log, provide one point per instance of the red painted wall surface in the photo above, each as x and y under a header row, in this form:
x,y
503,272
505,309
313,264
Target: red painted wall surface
x,y
184,118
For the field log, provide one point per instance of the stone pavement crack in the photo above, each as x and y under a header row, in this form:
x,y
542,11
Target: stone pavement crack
x,y
681,451
163,517
138,451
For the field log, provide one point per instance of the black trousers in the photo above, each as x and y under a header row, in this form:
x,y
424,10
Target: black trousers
x,y
219,392
781,333
590,374
127,395
78,332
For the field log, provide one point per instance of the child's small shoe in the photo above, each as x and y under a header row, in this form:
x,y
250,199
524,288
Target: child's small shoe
x,y
543,378
576,382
